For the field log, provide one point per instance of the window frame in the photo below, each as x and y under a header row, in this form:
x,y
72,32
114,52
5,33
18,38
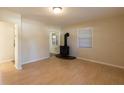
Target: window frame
x,y
78,36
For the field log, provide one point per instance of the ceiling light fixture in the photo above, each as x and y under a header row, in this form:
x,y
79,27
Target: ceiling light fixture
x,y
57,10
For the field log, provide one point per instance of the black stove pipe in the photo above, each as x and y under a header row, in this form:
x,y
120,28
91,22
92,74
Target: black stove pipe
x,y
65,39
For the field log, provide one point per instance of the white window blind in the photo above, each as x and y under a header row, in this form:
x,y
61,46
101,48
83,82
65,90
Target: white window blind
x,y
85,38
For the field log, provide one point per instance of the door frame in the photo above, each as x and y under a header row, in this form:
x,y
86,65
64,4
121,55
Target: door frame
x,y
15,45
50,38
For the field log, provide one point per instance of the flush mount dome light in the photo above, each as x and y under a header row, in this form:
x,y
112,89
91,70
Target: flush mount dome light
x,y
57,10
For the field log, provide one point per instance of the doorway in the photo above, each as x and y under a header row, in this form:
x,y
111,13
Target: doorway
x,y
54,40
7,42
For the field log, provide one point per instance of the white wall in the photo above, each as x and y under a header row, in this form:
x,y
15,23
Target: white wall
x,y
33,37
108,41
6,42
35,40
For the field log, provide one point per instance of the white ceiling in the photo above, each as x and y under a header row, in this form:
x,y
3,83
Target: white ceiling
x,y
69,15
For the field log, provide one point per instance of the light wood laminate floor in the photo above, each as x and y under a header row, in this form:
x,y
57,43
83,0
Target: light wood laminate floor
x,y
59,71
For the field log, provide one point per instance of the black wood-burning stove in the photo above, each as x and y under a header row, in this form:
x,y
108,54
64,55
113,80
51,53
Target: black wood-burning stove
x,y
64,50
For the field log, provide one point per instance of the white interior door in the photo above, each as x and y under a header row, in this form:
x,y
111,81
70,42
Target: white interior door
x,y
54,42
6,42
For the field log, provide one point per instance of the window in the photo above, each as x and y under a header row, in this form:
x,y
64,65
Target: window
x,y
85,38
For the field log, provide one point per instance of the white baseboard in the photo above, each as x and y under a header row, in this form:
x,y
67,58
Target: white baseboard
x,y
11,60
18,67
8,60
31,61
108,64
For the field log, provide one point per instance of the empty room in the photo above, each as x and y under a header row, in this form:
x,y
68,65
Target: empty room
x,y
61,45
